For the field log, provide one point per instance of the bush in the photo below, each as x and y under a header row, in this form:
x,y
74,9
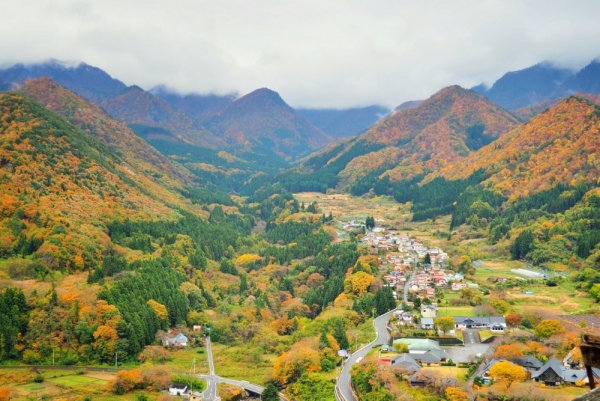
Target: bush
x,y
38,379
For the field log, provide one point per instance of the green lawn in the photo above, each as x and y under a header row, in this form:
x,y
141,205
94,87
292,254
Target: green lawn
x,y
34,387
456,311
485,334
77,381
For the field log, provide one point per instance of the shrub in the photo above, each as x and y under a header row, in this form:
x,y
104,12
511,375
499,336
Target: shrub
x,y
38,379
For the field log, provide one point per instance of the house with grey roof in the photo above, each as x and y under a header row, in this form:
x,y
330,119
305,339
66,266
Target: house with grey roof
x,y
405,361
554,373
427,323
434,356
179,340
493,323
529,362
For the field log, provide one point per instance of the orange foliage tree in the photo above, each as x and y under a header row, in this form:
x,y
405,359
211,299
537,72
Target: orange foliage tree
x,y
509,352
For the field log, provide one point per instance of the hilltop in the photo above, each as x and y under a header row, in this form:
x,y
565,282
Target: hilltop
x,y
262,119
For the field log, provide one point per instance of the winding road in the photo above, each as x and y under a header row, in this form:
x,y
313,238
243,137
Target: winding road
x,y
343,389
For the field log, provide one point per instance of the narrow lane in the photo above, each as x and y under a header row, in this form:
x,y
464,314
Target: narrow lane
x,y
210,394
343,390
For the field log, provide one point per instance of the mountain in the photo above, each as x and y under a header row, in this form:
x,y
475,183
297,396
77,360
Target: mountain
x,y
586,80
199,107
408,105
138,107
345,122
526,87
444,128
61,186
89,117
87,81
557,146
527,112
262,120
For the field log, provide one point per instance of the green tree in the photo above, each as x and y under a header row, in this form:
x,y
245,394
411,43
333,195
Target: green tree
x,y
340,336
427,259
269,393
243,284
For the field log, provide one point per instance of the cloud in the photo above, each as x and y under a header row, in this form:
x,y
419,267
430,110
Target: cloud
x,y
315,54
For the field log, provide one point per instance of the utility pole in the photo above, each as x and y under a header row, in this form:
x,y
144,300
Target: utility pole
x,y
116,359
52,357
194,366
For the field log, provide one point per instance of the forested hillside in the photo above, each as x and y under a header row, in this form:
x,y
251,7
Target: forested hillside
x,y
450,125
136,106
90,118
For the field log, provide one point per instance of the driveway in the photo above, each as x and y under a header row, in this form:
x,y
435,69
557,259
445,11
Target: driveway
x,y
463,354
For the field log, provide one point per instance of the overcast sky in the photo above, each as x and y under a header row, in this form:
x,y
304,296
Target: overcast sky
x,y
323,53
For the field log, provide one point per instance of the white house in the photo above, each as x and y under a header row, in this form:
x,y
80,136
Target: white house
x,y
177,389
179,340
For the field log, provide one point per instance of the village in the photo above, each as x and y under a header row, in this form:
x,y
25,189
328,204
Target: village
x,y
424,336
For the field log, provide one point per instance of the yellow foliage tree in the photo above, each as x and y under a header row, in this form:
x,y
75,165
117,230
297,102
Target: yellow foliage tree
x,y
456,394
507,372
292,364
358,283
159,309
246,259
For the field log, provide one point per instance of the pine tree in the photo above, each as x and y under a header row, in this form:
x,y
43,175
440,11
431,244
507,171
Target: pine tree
x,y
270,393
243,284
340,336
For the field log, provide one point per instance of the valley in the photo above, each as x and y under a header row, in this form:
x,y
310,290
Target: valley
x,y
190,244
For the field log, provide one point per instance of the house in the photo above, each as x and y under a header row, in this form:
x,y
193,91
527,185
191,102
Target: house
x,y
429,292
530,363
427,323
407,317
459,285
440,281
418,344
416,380
569,363
428,311
179,340
494,323
551,374
405,361
432,356
177,389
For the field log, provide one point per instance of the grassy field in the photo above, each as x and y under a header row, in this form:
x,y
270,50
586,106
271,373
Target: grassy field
x,y
533,390
456,311
78,380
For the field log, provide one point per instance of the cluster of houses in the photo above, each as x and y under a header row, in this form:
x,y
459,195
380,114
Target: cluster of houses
x,y
408,250
428,314
551,373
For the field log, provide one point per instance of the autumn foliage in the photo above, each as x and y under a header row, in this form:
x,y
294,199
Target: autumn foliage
x,y
509,352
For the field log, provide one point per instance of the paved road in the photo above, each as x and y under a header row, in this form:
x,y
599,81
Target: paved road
x,y
471,337
343,390
210,394
212,379
406,285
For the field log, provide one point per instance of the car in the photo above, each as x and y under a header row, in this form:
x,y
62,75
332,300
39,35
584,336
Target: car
x,y
359,359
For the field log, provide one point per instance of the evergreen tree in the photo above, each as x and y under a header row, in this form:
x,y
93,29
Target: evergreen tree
x,y
340,336
243,284
270,393
323,340
427,259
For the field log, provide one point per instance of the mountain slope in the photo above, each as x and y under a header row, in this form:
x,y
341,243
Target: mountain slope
x,y
262,119
118,137
87,81
442,129
344,123
59,187
136,106
525,87
560,145
198,107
